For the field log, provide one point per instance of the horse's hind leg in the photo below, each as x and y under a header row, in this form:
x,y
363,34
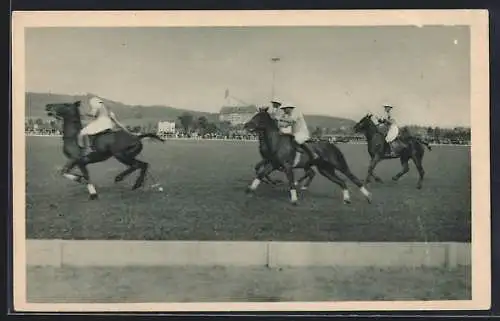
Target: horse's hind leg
x,y
121,176
347,172
134,164
332,176
406,168
142,175
291,184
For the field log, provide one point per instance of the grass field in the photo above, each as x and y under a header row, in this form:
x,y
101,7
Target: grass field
x,y
220,284
204,198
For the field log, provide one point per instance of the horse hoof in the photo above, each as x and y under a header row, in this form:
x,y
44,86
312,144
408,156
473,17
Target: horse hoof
x,y
395,178
294,203
347,202
93,197
419,186
118,179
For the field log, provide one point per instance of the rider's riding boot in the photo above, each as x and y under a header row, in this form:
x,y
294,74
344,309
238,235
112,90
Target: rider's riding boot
x,y
87,148
394,146
310,152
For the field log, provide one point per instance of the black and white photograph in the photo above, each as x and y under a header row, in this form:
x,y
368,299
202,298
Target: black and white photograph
x,y
231,161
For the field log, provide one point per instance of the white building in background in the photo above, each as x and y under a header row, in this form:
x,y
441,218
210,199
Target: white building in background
x,y
237,115
167,127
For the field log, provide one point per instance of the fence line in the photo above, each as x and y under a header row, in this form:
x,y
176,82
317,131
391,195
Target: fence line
x,y
361,142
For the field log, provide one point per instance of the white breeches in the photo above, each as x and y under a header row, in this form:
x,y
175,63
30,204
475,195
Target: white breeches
x,y
301,137
392,133
286,130
97,126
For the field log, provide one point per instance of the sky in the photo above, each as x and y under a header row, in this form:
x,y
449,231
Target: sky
x,y
424,72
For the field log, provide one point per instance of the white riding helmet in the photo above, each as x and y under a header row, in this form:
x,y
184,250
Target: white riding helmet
x,y
288,105
95,102
277,101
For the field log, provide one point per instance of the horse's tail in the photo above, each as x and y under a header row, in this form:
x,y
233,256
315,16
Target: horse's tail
x,y
150,135
423,142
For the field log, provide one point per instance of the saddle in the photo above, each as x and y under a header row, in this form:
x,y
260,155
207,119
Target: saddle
x,y
93,137
399,142
297,147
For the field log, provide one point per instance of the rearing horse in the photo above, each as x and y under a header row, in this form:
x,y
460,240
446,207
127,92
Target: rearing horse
x,y
118,144
377,148
282,152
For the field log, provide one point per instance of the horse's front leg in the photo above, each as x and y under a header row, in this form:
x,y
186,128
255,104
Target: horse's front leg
x,y
82,164
65,171
259,165
308,176
265,171
90,187
267,179
371,168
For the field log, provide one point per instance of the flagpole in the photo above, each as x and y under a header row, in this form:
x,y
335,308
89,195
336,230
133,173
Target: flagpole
x,y
274,60
226,96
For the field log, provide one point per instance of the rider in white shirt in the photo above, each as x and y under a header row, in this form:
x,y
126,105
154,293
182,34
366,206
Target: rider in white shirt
x,y
289,117
103,119
390,122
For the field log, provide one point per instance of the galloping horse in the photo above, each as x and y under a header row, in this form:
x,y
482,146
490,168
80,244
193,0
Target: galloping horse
x,y
283,151
412,147
300,162
118,144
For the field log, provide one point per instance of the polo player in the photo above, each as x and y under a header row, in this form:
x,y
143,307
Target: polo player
x,y
291,121
392,130
103,119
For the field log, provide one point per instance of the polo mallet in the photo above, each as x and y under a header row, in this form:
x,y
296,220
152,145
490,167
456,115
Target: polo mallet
x,y
155,182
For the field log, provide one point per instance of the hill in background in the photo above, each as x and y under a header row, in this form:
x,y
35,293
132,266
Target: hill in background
x,y
134,115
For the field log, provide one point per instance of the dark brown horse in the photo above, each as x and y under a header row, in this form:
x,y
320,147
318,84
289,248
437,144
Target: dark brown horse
x,y
411,147
300,162
118,144
282,154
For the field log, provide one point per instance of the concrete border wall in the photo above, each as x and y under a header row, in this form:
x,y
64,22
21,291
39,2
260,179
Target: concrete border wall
x,y
273,254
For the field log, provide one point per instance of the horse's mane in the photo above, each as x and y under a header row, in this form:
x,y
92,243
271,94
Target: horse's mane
x,y
78,118
73,118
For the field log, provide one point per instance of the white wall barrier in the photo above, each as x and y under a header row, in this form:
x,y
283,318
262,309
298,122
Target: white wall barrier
x,y
272,254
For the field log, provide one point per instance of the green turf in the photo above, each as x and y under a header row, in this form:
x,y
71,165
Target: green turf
x,y
204,198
